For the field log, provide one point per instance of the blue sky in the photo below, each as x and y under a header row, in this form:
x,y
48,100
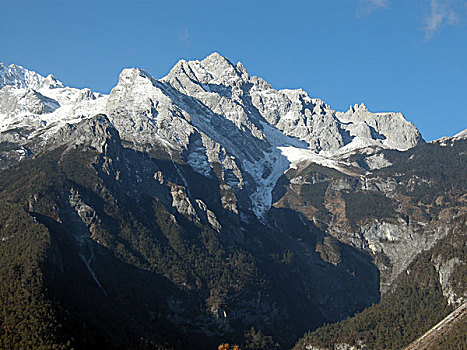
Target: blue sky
x,y
408,56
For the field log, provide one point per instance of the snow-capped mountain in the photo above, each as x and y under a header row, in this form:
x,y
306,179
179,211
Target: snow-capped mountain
x,y
203,112
181,212
18,77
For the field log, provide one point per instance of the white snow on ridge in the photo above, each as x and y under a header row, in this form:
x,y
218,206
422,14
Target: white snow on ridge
x,y
357,143
445,141
298,156
19,77
461,135
61,104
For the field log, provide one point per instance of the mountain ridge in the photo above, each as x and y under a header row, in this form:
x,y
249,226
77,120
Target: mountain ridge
x,y
220,104
205,203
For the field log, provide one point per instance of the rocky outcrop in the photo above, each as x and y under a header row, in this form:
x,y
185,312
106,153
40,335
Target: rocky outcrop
x,y
445,270
400,242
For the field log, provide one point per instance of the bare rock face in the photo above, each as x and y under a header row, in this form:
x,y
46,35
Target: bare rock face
x,y
389,130
210,216
445,269
400,242
229,90
142,112
93,133
16,101
84,211
182,202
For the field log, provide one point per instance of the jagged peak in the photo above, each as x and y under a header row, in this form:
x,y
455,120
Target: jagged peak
x,y
14,67
19,77
358,108
241,68
86,94
216,58
222,69
182,67
51,82
214,68
131,74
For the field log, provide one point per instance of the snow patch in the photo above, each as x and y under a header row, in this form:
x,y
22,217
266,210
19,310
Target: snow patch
x,y
296,156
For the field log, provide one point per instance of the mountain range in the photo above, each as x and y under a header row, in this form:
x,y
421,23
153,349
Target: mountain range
x,y
207,207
